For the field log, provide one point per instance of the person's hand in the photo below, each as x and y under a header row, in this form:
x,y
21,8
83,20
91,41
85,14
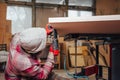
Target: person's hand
x,y
51,48
55,52
49,29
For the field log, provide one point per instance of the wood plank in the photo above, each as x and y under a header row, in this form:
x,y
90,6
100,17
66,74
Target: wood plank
x,y
109,24
80,61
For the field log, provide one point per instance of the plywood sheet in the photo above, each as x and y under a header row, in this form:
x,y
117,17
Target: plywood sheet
x,y
109,24
80,50
80,60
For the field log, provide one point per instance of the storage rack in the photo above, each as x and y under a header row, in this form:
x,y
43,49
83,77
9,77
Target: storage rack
x,y
110,39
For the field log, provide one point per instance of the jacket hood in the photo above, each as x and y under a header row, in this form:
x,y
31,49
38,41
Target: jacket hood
x,y
33,40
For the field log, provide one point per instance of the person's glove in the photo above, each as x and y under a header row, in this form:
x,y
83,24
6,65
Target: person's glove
x,y
55,52
49,29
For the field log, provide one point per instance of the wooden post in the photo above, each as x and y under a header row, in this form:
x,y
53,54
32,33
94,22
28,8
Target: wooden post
x,y
66,7
33,14
94,6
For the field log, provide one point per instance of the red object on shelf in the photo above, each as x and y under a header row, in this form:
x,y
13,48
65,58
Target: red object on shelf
x,y
91,70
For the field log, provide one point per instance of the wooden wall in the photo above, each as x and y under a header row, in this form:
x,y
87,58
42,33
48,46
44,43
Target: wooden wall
x,y
107,7
42,15
5,26
103,7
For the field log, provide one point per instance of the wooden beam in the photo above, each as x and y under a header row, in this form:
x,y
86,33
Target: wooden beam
x,y
20,3
72,7
84,8
94,7
108,24
33,14
66,7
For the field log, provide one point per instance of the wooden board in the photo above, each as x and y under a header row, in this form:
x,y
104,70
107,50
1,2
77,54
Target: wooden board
x,y
109,24
80,60
80,50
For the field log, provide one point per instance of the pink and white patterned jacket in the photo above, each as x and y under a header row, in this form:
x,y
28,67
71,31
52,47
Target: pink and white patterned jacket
x,y
20,63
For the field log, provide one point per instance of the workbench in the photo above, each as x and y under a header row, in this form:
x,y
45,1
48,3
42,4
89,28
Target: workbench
x,y
106,28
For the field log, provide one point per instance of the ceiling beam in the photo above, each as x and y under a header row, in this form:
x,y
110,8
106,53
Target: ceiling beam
x,y
21,3
73,7
86,8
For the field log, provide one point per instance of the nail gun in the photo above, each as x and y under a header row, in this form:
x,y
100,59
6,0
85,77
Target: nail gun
x,y
55,39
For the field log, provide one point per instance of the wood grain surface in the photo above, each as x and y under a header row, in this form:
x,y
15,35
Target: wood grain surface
x,y
87,25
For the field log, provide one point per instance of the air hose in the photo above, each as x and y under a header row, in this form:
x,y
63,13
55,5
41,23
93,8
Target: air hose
x,y
71,75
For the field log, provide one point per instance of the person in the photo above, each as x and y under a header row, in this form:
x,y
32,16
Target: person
x,y
23,57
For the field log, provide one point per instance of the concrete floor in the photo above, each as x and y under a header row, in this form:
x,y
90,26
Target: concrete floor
x,y
65,76
2,76
61,75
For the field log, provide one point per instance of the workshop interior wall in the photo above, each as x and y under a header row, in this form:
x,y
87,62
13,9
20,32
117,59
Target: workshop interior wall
x,y
42,15
103,7
107,7
5,26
